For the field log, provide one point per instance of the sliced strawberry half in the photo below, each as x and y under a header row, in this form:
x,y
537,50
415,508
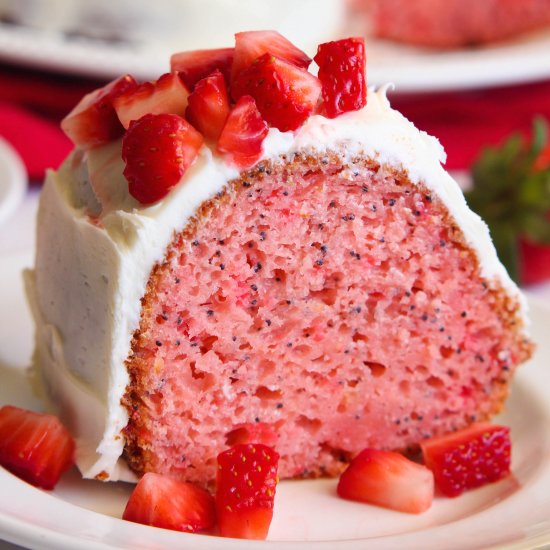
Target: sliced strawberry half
x,y
468,458
162,501
195,65
209,106
389,480
168,94
157,150
250,45
94,120
285,94
246,483
258,432
35,447
243,134
342,74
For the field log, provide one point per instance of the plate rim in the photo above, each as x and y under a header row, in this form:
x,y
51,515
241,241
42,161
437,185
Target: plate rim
x,y
15,173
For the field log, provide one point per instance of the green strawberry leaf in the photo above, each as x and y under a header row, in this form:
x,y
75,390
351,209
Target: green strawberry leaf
x,y
512,195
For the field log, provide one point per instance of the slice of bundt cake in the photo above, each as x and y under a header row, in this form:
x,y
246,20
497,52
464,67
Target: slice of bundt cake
x,y
302,272
454,23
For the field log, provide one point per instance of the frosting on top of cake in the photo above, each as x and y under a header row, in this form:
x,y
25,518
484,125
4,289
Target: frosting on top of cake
x,y
103,244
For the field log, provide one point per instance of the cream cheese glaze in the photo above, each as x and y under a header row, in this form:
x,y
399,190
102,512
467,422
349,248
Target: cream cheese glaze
x,y
96,247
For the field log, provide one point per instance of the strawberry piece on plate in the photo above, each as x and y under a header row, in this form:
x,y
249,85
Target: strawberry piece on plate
x,y
94,120
342,74
285,94
250,45
243,134
195,65
257,432
162,501
246,483
157,150
387,479
468,458
34,446
209,106
168,94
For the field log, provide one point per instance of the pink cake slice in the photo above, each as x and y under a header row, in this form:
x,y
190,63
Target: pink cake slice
x,y
320,308
303,273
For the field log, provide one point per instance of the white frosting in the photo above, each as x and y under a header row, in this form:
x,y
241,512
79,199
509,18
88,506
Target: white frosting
x,y
85,325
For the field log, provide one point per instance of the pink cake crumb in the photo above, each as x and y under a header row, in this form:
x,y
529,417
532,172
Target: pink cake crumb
x,y
319,310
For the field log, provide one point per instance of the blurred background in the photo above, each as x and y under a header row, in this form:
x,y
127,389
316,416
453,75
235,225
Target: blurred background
x,y
470,72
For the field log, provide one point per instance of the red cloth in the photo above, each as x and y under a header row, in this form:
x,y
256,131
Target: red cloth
x,y
32,104
466,122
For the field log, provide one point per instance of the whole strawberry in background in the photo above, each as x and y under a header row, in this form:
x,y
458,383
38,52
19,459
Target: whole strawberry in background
x,y
511,191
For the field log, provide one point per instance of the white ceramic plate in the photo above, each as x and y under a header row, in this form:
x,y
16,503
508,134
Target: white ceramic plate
x,y
513,514
411,69
13,180
414,69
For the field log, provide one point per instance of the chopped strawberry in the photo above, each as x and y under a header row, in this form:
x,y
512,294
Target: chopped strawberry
x,y
468,458
285,94
387,479
252,44
252,432
162,501
94,121
342,74
157,150
168,94
243,134
534,262
209,106
35,447
198,64
246,483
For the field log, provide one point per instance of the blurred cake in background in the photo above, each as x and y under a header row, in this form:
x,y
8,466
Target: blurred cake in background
x,y
164,26
453,23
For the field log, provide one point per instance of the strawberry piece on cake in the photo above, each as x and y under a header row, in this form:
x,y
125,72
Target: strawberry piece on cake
x,y
157,150
389,480
342,75
468,458
168,94
161,501
94,120
245,492
243,134
251,45
34,446
195,65
285,94
209,106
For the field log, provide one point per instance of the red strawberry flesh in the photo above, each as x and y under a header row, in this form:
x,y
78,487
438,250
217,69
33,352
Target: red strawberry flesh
x,y
250,45
157,150
243,134
208,106
34,446
285,94
168,94
94,120
387,479
246,483
169,503
195,65
342,74
468,458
